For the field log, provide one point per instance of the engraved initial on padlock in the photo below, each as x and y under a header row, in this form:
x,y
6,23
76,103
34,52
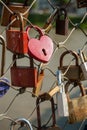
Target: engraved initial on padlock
x,y
62,22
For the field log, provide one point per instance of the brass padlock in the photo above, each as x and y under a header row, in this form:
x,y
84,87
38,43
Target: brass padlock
x,y
73,72
11,8
77,106
41,98
62,22
81,3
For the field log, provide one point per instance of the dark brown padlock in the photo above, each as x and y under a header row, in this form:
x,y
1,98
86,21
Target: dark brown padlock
x,y
42,98
14,6
81,3
17,38
62,22
73,72
23,76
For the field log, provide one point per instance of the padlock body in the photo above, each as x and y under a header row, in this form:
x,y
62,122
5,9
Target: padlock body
x,y
17,41
62,26
77,109
73,73
23,76
13,7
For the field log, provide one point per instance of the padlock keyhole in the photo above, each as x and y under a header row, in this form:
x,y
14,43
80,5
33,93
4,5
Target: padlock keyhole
x,y
44,51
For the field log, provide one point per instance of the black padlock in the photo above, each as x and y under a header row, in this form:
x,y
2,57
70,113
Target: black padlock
x,y
42,98
62,22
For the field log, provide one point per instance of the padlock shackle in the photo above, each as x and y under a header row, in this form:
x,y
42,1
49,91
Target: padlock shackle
x,y
20,120
36,28
82,90
62,11
19,15
24,4
15,58
40,99
3,54
69,52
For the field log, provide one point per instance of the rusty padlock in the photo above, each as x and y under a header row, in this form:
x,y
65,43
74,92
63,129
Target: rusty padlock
x,y
4,82
81,3
41,98
24,76
40,49
77,106
17,39
14,6
74,71
62,22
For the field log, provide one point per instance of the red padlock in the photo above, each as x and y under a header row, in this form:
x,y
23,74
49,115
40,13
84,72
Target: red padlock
x,y
17,39
41,49
24,76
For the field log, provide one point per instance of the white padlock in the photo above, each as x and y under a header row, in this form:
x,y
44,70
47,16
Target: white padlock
x,y
62,104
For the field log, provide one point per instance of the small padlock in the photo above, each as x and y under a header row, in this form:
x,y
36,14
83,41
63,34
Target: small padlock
x,y
11,8
62,22
62,104
81,3
40,49
17,39
24,76
42,98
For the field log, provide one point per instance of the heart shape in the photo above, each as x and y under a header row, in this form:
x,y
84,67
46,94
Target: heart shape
x,y
41,49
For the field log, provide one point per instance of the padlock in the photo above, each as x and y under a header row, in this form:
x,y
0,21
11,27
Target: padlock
x,y
74,71
4,82
62,105
42,98
14,6
62,22
23,76
40,49
22,123
17,39
77,106
81,3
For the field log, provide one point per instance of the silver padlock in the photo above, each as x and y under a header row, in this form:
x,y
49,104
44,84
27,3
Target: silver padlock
x,y
83,64
22,122
62,104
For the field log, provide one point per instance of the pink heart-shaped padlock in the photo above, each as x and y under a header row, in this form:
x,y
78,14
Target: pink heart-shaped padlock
x,y
40,49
